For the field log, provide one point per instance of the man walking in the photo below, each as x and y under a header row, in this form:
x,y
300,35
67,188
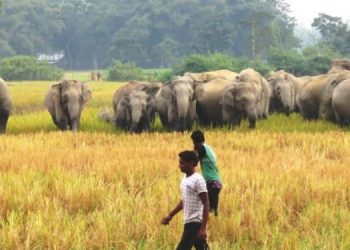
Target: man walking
x,y
209,168
194,202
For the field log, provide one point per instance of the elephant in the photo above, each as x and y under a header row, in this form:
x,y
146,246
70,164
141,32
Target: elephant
x,y
304,79
5,105
262,87
125,107
314,97
176,104
195,77
326,110
340,103
208,101
211,75
136,111
126,89
65,102
284,89
338,65
248,97
224,74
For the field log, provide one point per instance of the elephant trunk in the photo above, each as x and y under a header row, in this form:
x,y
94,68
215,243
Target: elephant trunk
x,y
135,127
285,99
136,116
252,117
74,110
182,111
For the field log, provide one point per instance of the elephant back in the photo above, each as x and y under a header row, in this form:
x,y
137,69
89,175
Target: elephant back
x,y
339,65
196,77
223,74
124,90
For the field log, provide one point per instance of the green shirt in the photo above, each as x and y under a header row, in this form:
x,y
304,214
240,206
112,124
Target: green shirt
x,y
209,168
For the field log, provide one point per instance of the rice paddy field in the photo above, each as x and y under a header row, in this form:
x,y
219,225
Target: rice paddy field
x,y
286,184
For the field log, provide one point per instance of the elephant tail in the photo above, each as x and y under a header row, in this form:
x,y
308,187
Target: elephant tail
x,y
107,115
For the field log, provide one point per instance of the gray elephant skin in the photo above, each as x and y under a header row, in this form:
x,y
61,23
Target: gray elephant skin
x,y
314,98
284,89
326,110
5,105
136,110
339,65
248,97
65,102
176,104
208,102
340,103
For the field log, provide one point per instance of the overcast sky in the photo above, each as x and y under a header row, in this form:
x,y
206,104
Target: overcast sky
x,y
306,10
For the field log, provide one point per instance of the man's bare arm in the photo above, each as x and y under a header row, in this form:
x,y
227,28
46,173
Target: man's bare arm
x,y
205,201
167,219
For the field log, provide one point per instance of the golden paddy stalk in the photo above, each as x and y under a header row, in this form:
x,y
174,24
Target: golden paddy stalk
x,y
65,190
285,187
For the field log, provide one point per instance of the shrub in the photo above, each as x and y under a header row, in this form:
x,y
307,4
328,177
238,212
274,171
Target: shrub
x,y
312,61
19,68
207,62
261,67
119,71
164,75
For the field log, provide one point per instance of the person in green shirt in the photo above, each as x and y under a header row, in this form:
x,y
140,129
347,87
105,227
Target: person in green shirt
x,y
210,172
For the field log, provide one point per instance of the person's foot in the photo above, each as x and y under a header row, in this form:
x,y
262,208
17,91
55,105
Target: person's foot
x,y
215,213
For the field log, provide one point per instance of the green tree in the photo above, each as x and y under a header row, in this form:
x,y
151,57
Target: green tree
x,y
335,33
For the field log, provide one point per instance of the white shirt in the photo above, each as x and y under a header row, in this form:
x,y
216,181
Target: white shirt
x,y
191,187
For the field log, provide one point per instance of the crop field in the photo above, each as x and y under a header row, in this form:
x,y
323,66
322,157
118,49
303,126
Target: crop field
x,y
285,184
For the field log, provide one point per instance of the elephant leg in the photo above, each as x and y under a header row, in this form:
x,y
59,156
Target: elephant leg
x,y
181,124
74,125
252,121
62,124
163,119
3,122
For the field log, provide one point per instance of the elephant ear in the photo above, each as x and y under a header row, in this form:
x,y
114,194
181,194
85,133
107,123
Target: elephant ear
x,y
228,96
198,91
152,88
87,93
151,105
53,102
125,101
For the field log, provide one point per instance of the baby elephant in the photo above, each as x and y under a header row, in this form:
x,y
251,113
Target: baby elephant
x,y
65,102
5,105
135,111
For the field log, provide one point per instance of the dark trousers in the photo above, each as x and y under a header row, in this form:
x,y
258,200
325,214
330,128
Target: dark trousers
x,y
190,238
213,194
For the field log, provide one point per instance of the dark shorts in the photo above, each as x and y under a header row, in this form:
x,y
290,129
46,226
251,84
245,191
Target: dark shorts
x,y
190,238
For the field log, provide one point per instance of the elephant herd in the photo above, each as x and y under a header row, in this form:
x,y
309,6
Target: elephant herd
x,y
213,98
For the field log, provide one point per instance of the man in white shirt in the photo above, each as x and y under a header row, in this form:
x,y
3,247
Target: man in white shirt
x,y
194,202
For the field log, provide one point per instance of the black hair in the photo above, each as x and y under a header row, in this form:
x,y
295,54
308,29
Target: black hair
x,y
189,156
198,136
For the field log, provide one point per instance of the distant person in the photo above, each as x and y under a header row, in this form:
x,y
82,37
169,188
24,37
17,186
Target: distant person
x,y
194,202
93,76
210,172
99,76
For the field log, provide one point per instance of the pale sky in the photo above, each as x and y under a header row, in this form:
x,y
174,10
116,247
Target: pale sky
x,y
306,10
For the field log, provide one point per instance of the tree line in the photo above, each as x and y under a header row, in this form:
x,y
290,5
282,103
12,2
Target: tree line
x,y
155,33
